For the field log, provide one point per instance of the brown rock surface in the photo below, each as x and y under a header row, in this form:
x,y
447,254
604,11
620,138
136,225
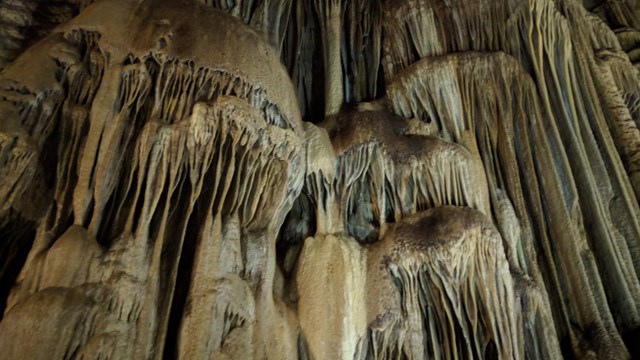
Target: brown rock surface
x,y
322,179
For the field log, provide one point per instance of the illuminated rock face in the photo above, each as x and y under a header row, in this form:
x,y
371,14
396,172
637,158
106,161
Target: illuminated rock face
x,y
324,179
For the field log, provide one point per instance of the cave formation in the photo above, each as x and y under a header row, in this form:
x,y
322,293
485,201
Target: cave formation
x,y
319,179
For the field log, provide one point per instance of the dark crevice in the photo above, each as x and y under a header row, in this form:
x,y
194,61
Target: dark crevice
x,y
179,304
16,236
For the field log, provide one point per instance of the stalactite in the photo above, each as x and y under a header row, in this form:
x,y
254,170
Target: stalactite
x,y
268,17
464,184
362,43
624,19
172,126
330,23
402,171
422,100
447,264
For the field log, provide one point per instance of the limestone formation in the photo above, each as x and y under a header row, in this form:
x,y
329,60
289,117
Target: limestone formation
x,y
319,179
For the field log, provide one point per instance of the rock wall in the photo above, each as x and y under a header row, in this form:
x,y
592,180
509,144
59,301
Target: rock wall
x,y
323,179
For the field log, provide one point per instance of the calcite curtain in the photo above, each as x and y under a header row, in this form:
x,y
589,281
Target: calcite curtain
x,y
319,179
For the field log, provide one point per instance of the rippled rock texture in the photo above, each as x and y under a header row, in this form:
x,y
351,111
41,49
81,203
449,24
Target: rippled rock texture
x,y
319,179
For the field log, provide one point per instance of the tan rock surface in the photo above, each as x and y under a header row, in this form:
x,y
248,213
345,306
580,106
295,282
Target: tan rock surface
x,y
326,179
